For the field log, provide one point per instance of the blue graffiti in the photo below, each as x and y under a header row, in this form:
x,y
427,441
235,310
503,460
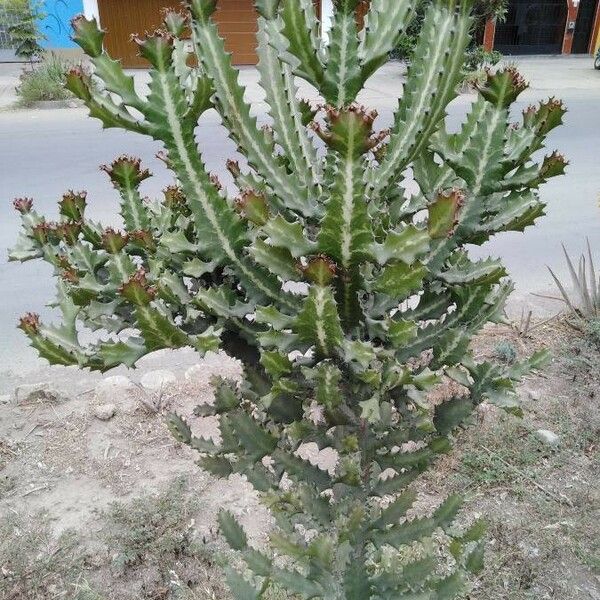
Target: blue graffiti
x,y
56,24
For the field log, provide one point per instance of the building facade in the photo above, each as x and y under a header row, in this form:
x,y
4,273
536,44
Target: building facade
x,y
236,20
531,26
546,27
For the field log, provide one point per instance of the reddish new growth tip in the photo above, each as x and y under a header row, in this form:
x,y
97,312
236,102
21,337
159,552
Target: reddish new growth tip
x,y
214,179
233,166
350,128
126,171
554,165
72,205
253,206
156,47
70,276
320,269
68,232
138,290
518,80
174,196
159,34
143,238
368,116
23,205
40,232
175,21
113,241
30,323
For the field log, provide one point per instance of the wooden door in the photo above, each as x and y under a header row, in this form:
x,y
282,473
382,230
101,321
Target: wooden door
x,y
361,12
236,19
122,19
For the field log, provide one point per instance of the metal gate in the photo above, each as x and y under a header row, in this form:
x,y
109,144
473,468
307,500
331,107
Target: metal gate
x,y
532,27
7,18
584,26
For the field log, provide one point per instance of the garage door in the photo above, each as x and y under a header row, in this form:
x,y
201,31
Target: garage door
x,y
236,20
532,27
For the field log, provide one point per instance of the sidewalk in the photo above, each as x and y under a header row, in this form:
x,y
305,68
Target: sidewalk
x,y
9,79
556,73
544,73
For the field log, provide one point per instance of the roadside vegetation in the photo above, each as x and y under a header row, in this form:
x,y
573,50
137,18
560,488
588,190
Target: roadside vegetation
x,y
45,81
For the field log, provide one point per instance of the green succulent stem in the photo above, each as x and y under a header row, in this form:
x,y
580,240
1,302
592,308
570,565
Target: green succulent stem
x,y
350,302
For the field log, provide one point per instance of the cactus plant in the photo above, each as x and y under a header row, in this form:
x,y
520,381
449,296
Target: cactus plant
x,y
350,303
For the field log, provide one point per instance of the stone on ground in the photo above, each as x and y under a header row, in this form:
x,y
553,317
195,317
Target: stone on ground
x,y
105,412
155,381
548,437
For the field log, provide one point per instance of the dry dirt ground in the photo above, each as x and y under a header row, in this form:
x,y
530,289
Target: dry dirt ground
x,y
114,509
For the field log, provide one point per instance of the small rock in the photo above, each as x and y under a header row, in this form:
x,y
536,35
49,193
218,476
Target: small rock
x,y
117,384
5,399
118,390
535,395
36,392
105,412
548,437
158,380
196,373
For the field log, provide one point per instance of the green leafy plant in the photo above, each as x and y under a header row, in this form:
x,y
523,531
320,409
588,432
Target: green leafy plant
x,y
34,562
482,11
155,533
477,62
478,58
24,31
506,352
45,82
350,304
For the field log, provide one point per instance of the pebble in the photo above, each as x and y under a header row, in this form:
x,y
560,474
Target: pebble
x,y
32,392
5,399
195,373
105,412
158,380
114,384
535,395
548,437
117,389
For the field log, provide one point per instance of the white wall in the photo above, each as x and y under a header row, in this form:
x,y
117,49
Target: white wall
x,y
90,9
326,16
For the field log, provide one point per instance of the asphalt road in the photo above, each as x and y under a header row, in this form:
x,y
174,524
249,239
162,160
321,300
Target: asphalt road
x,y
43,153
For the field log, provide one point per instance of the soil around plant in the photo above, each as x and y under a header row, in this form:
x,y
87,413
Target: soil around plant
x,y
65,455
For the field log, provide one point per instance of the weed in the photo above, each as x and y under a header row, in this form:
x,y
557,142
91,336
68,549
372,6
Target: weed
x,y
584,303
151,527
501,455
582,359
506,352
153,539
34,563
592,332
45,82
